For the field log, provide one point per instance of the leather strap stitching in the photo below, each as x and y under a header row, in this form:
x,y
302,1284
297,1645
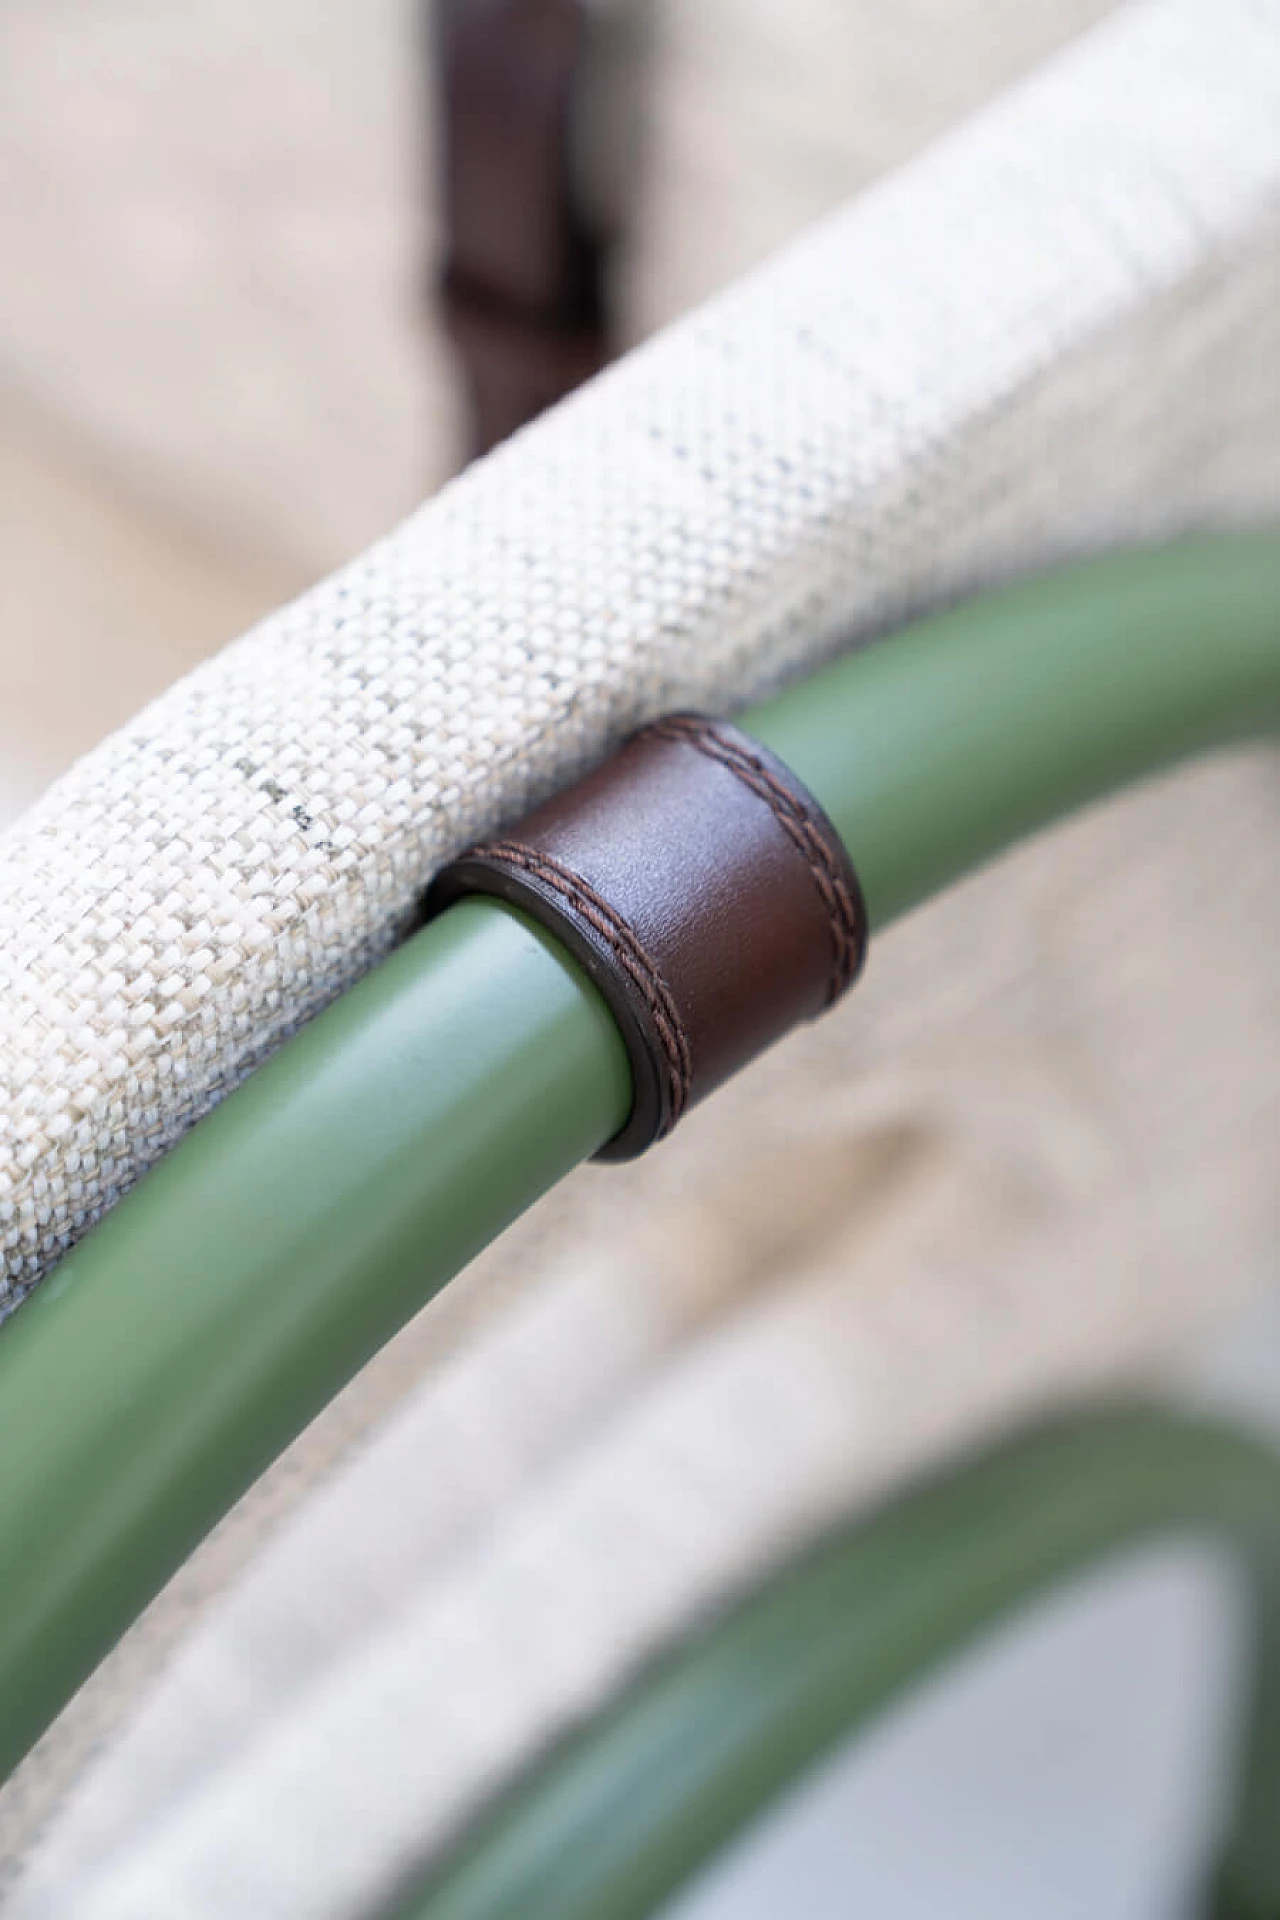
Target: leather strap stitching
x,y
626,949
845,913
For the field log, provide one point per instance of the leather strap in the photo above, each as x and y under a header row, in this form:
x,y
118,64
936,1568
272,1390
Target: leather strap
x,y
522,279
703,890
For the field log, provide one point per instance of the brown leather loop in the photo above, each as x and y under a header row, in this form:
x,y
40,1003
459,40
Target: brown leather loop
x,y
704,891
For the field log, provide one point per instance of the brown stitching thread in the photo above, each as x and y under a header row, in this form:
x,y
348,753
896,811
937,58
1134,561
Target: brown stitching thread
x,y
626,949
844,911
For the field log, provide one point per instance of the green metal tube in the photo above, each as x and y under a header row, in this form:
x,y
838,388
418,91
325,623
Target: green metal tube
x,y
626,1811
200,1326
185,1342
975,728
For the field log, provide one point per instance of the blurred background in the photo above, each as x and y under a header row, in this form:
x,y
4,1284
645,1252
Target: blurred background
x,y
223,366
251,312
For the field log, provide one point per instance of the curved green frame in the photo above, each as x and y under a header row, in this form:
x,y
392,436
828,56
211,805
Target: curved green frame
x,y
187,1339
626,1811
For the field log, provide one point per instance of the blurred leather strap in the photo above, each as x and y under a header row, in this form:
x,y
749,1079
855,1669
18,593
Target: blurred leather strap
x,y
705,893
522,281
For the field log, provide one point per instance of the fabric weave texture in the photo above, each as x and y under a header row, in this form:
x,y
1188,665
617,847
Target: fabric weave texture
x,y
1054,331
986,1183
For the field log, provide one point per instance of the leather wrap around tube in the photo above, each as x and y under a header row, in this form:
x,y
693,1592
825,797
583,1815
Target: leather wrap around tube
x,y
704,891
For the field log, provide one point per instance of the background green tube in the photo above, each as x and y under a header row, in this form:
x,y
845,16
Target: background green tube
x,y
619,1819
199,1327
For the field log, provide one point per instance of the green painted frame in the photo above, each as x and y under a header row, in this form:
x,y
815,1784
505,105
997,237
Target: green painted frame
x,y
626,1810
193,1333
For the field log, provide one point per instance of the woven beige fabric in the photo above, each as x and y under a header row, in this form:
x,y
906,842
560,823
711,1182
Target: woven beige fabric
x,y
1055,329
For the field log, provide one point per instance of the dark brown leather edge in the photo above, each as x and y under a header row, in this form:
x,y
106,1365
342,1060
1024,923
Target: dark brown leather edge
x,y
702,889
